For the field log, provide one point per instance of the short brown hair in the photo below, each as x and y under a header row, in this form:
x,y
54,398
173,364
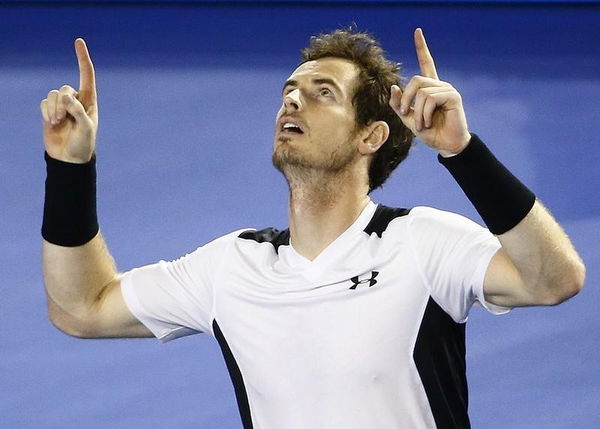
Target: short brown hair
x,y
376,77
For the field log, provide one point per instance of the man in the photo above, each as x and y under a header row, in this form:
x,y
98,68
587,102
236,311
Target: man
x,y
354,316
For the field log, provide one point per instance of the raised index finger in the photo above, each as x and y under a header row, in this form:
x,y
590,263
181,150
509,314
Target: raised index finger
x,y
426,64
87,78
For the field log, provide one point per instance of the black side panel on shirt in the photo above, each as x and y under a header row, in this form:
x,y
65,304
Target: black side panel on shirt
x,y
382,217
440,359
270,235
236,377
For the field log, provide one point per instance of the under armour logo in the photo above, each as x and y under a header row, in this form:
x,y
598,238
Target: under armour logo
x,y
371,281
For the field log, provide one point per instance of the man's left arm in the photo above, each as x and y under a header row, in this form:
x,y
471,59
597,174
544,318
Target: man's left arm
x,y
537,264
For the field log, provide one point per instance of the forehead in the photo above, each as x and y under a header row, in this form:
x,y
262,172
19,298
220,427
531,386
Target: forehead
x,y
340,70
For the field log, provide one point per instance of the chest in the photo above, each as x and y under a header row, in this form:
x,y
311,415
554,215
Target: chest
x,y
353,323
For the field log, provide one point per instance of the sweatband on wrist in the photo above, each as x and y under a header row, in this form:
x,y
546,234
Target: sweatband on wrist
x,y
500,198
70,217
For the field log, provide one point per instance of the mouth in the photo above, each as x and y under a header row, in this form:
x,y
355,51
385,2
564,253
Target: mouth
x,y
290,126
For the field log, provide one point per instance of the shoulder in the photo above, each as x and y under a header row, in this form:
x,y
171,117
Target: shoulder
x,y
219,244
241,237
273,236
420,223
429,217
383,217
392,218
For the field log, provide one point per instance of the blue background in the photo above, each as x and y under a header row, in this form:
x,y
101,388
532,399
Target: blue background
x,y
188,94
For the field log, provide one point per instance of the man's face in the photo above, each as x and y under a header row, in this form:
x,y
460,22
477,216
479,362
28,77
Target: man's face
x,y
316,123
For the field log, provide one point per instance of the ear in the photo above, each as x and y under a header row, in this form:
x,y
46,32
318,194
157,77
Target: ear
x,y
374,135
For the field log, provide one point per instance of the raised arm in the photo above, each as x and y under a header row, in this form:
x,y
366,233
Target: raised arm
x,y
537,264
82,283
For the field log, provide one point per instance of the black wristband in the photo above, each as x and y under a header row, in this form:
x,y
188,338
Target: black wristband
x,y
500,198
70,217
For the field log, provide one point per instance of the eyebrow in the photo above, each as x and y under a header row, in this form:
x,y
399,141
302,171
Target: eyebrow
x,y
319,81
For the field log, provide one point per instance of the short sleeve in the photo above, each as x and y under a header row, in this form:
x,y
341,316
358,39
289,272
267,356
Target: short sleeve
x,y
453,253
175,298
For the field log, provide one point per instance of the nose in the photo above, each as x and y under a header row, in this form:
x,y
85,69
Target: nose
x,y
292,100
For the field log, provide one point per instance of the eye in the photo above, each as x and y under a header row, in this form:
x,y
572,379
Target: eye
x,y
325,92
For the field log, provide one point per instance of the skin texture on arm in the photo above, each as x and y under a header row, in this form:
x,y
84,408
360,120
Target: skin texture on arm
x,y
537,264
82,284
84,292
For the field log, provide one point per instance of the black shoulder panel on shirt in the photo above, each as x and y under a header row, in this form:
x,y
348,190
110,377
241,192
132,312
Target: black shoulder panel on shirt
x,y
270,235
439,356
382,217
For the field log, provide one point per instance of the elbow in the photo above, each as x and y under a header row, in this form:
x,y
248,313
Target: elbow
x,y
569,284
577,278
69,325
63,327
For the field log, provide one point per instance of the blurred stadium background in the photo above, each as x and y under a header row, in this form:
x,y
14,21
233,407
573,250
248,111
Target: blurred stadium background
x,y
188,92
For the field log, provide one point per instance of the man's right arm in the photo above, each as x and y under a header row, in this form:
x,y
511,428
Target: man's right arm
x,y
82,284
83,289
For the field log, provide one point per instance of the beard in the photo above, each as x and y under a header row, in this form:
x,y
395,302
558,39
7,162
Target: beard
x,y
296,164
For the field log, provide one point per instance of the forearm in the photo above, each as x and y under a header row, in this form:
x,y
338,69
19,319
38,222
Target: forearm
x,y
548,265
82,284
77,265
537,264
75,278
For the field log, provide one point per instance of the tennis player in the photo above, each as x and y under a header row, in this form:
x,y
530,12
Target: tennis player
x,y
354,316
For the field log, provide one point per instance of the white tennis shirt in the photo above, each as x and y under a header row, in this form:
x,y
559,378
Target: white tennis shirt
x,y
368,335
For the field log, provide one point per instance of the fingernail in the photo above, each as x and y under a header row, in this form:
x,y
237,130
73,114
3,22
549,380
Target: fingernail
x,y
403,110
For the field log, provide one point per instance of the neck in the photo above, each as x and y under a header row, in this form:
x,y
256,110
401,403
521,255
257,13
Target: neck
x,y
322,206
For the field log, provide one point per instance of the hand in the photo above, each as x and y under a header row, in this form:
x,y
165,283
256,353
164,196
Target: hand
x,y
430,108
71,117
